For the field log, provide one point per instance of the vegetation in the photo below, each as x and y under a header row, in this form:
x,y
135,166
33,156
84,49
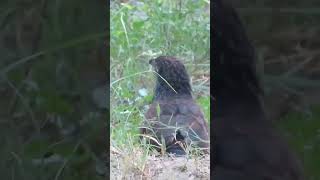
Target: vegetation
x,y
303,134
53,60
145,30
285,36
141,30
50,128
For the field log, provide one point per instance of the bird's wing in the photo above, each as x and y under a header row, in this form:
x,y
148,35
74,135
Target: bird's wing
x,y
166,119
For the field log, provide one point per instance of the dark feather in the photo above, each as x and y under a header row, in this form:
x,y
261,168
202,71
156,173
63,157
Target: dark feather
x,y
180,120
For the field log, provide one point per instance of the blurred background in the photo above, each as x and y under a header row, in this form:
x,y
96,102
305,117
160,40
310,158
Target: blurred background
x,y
53,76
286,35
53,72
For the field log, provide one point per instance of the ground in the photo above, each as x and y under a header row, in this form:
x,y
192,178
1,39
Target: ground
x,y
157,167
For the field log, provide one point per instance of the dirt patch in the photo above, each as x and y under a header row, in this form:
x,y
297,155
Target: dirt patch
x,y
137,166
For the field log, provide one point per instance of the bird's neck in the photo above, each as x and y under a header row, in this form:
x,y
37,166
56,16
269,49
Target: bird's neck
x,y
164,91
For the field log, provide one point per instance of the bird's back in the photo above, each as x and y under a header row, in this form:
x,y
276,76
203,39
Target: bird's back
x,y
178,115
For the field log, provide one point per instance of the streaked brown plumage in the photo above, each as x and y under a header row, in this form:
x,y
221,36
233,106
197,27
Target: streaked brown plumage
x,y
180,118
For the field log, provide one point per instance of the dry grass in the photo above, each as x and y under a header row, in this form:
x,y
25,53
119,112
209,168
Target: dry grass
x,y
137,165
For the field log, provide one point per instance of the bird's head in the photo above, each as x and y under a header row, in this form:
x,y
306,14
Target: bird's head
x,y
171,70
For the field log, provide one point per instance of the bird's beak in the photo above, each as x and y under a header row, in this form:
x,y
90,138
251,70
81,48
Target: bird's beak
x,y
151,62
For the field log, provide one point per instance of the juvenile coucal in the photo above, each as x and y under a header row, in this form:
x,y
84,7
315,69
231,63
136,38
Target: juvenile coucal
x,y
174,115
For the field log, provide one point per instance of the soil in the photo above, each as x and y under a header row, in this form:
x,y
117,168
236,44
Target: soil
x,y
154,167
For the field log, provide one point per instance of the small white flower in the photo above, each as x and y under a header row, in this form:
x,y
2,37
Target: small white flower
x,y
143,92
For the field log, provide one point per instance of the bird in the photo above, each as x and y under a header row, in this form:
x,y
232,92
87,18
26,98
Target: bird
x,y
245,144
173,115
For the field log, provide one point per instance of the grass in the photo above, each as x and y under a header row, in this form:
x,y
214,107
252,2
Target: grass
x,y
147,29
303,133
283,66
142,31
46,47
